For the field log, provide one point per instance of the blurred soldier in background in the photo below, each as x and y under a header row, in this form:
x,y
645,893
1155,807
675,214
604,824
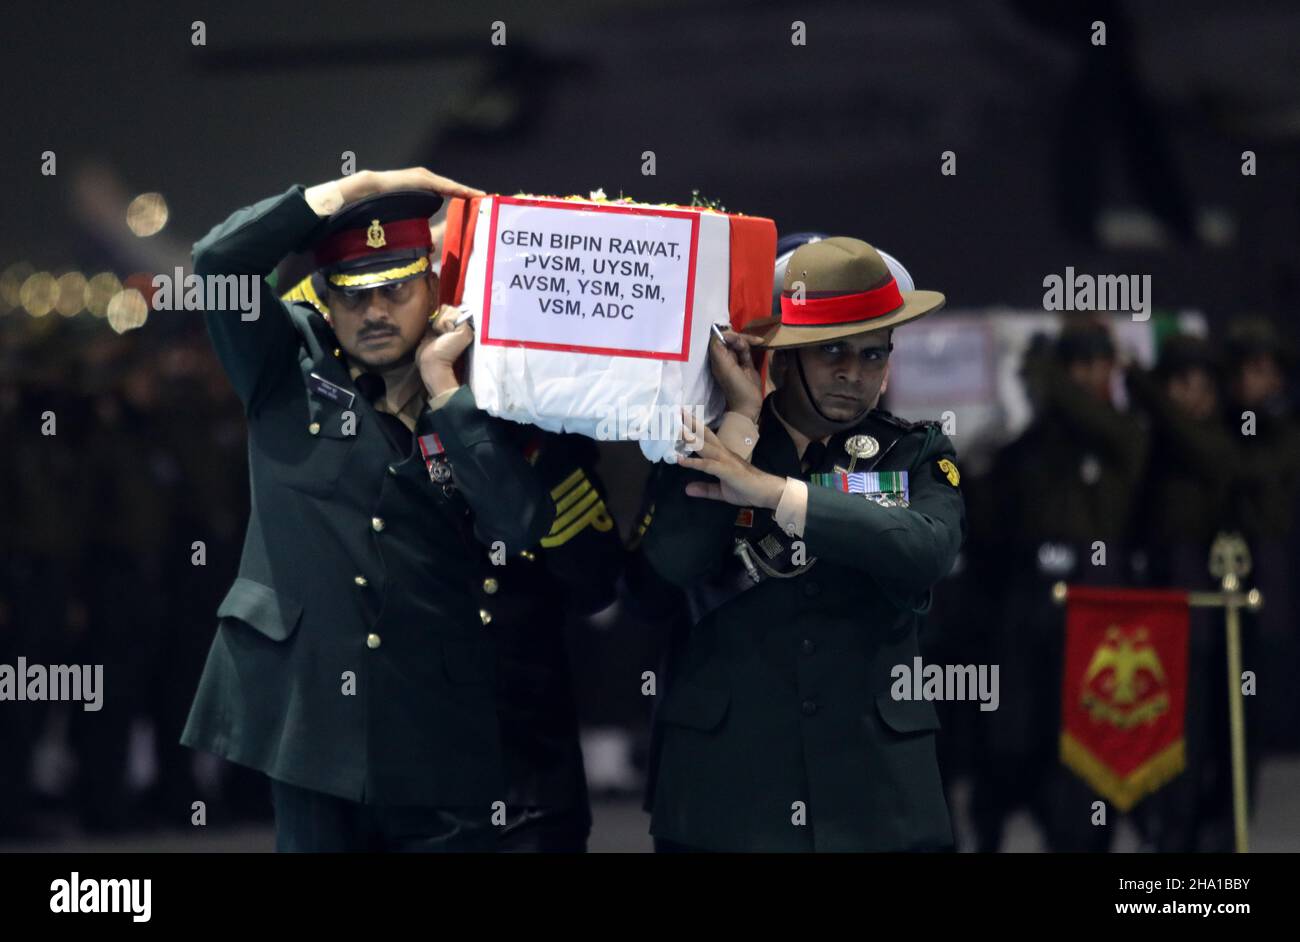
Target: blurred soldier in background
x,y
1261,421
48,462
201,561
130,491
15,724
1183,506
1059,505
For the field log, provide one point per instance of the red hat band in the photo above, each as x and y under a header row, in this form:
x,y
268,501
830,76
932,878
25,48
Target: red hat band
x,y
358,243
843,308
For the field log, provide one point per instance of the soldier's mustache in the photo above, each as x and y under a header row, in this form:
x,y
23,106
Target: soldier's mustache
x,y
368,332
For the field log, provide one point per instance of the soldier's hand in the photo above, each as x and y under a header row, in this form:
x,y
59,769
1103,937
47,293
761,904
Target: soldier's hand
x,y
328,198
440,348
413,178
739,482
732,365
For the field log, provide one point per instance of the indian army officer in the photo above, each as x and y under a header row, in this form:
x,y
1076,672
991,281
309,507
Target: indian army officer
x,y
807,532
351,663
525,601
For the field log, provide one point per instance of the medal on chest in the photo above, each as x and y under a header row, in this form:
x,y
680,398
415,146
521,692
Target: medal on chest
x,y
887,488
435,459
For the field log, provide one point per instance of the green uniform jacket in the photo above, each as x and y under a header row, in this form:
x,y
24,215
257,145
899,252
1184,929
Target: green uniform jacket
x,y
780,693
1073,476
1185,497
574,571
351,656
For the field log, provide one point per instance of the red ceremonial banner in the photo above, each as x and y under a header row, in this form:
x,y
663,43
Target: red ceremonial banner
x,y
1124,691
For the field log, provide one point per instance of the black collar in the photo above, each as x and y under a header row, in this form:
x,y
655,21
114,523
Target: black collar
x,y
776,453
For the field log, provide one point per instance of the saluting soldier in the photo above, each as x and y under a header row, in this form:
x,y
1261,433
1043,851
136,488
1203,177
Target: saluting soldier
x,y
525,601
808,532
351,664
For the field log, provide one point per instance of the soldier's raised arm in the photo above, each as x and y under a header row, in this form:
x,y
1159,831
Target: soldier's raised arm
x,y
1111,432
1205,447
686,539
252,343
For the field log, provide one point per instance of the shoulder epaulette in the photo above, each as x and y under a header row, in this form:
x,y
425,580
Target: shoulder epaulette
x,y
305,291
904,424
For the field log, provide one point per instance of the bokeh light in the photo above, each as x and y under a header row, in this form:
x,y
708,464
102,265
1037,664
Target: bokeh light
x,y
127,310
100,291
147,214
72,294
38,294
11,283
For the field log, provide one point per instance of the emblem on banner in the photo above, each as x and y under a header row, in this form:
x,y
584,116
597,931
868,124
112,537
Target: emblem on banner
x,y
1125,683
1124,690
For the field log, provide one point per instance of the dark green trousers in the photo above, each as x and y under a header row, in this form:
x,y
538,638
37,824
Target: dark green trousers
x,y
308,821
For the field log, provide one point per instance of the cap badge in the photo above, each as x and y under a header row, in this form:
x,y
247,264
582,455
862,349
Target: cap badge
x,y
375,235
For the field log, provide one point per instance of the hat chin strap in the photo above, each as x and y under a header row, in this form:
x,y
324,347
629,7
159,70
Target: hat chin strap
x,y
838,424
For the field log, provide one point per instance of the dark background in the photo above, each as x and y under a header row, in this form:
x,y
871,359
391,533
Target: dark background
x,y
843,134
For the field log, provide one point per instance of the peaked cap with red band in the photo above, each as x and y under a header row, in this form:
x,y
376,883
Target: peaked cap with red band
x,y
380,240
835,288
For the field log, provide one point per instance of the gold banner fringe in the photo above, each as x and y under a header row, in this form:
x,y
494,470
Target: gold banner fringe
x,y
1123,791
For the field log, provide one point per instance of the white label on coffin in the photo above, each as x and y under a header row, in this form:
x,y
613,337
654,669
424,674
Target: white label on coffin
x,y
592,279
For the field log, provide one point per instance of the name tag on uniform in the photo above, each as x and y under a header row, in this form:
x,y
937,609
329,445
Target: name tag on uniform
x,y
322,387
887,488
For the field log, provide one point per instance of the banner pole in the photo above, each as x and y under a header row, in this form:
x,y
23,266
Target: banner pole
x,y
1237,721
1230,563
